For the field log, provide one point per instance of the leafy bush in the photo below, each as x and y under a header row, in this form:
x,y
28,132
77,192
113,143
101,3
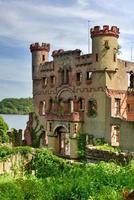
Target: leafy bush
x,y
46,164
3,131
57,180
9,190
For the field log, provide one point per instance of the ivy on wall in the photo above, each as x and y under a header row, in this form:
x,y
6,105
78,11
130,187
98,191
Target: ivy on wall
x,y
82,146
36,131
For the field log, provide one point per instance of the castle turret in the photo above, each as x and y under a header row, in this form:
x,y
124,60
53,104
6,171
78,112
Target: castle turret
x,y
40,55
105,47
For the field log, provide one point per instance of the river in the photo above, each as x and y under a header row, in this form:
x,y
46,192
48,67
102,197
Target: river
x,y
15,121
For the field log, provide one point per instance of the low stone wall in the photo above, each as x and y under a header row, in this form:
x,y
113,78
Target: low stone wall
x,y
94,155
14,163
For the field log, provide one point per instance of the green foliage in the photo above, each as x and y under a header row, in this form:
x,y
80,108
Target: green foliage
x,y
9,190
3,131
98,141
6,151
82,146
55,179
92,111
16,106
46,164
108,148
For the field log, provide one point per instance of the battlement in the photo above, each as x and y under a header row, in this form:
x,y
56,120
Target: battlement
x,y
62,52
37,47
105,31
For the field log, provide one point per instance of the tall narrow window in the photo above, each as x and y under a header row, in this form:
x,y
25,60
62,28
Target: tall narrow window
x,y
62,76
43,57
92,108
117,106
78,76
67,77
44,108
131,79
81,104
115,136
52,80
114,57
96,57
89,74
71,106
50,105
44,82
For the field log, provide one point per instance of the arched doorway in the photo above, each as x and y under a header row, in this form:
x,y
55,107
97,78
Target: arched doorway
x,y
63,141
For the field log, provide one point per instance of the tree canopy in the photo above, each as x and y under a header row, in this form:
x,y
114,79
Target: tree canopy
x,y
16,106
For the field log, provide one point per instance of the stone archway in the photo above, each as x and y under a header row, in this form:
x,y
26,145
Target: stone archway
x,y
63,141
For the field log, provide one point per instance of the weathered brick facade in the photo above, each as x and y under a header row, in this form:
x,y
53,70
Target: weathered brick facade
x,y
84,94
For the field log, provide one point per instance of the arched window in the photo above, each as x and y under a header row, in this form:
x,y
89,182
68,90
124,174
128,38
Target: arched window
x,y
44,82
42,108
92,108
65,76
52,80
61,106
81,103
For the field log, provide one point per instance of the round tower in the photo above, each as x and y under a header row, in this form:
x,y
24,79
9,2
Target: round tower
x,y
40,55
105,47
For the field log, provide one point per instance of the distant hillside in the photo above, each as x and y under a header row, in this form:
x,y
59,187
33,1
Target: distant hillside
x,y
16,106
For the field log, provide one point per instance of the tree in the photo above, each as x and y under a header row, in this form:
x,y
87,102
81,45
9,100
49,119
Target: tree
x,y
3,131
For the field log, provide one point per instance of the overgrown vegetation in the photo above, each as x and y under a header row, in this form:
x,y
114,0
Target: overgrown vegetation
x,y
16,106
36,131
3,131
108,148
82,146
6,151
56,179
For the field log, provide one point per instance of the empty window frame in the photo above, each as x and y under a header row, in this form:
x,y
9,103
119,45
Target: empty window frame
x,y
44,82
117,106
92,108
65,76
88,75
96,57
78,76
42,108
115,136
43,57
81,104
52,80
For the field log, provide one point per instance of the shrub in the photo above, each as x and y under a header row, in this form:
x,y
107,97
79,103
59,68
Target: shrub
x,y
46,164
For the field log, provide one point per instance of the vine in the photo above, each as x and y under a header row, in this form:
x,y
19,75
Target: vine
x,y
82,146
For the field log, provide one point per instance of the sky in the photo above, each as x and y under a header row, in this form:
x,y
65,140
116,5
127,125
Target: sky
x,y
63,24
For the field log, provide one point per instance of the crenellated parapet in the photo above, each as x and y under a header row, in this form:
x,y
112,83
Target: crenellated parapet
x,y
105,31
37,47
61,52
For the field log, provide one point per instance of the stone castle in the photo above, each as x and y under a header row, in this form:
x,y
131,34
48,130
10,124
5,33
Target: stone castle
x,y
90,94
